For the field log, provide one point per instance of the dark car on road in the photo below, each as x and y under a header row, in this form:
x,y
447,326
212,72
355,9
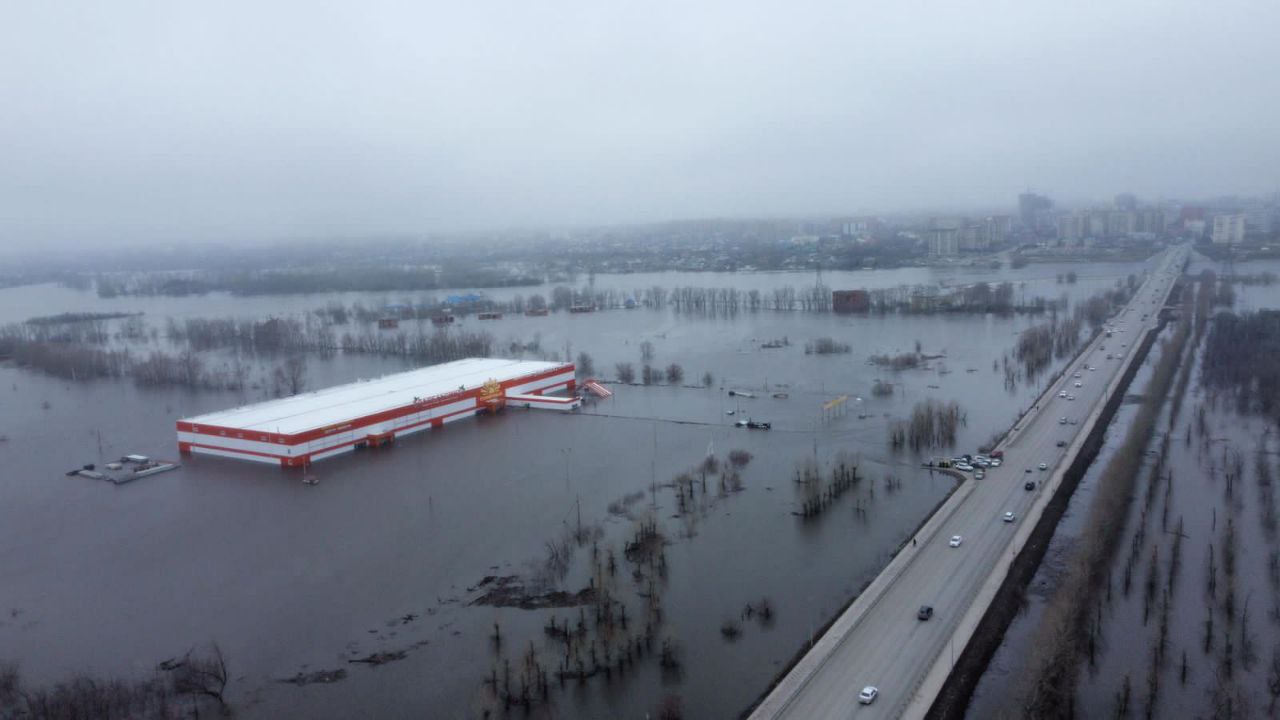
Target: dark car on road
x,y
925,613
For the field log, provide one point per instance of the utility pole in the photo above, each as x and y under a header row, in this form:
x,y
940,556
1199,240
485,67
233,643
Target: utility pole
x,y
653,463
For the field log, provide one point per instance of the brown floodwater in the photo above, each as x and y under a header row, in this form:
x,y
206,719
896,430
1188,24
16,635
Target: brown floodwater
x,y
385,553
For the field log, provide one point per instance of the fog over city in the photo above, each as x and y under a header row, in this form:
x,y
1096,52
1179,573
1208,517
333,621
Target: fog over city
x,y
130,122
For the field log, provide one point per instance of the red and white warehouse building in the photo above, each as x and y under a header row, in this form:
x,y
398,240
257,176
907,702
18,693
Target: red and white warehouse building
x,y
295,431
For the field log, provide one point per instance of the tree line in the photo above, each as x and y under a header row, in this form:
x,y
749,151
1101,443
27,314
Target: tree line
x,y
287,282
1242,360
177,688
933,423
1066,633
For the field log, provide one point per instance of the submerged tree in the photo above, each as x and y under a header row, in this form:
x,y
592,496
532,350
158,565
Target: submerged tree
x,y
932,424
586,366
626,372
675,374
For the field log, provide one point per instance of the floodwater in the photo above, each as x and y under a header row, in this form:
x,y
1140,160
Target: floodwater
x,y
383,554
1204,502
998,682
21,303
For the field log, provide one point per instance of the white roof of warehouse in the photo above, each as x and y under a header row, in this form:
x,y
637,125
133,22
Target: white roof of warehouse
x,y
341,403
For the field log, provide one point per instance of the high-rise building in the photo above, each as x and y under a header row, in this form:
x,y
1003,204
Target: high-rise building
x,y
1120,223
1228,229
998,228
1126,201
1260,220
1034,210
859,226
944,242
1097,224
1150,220
1069,227
974,237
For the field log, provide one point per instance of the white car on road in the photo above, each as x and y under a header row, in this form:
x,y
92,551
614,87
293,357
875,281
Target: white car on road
x,y
868,694
955,541
1008,517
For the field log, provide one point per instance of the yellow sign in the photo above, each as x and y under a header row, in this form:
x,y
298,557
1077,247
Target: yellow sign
x,y
491,390
835,403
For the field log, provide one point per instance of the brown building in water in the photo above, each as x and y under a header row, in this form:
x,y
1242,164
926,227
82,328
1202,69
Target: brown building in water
x,y
850,301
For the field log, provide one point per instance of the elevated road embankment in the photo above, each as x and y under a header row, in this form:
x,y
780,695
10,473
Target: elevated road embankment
x,y
878,640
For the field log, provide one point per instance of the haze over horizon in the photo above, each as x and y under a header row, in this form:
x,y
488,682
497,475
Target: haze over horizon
x,y
134,122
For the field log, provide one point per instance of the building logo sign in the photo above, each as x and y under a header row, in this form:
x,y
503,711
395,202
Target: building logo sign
x,y
491,390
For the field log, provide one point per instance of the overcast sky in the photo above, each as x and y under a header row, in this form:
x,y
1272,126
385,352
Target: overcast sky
x,y
127,122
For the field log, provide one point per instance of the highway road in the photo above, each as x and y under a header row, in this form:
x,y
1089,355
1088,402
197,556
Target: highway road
x,y
879,641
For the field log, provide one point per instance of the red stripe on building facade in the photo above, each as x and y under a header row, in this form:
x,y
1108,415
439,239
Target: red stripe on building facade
x,y
284,440
359,423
